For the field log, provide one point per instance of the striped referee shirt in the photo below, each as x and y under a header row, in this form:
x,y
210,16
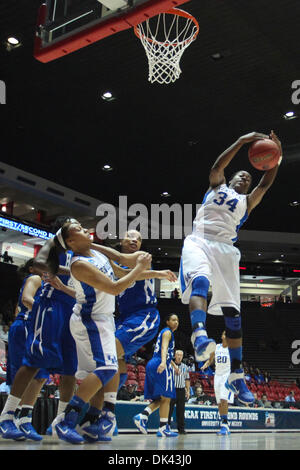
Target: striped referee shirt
x,y
179,379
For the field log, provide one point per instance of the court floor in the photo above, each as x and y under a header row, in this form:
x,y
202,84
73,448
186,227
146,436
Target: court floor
x,y
193,442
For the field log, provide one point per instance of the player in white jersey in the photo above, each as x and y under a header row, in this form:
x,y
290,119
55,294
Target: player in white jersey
x,y
209,257
92,326
221,359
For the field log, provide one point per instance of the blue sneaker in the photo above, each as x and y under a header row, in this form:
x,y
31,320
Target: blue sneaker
x,y
107,423
203,346
8,429
116,431
49,430
66,429
26,427
165,431
91,432
236,384
141,423
224,431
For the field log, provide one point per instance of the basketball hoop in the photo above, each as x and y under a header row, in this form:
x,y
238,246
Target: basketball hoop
x,y
165,38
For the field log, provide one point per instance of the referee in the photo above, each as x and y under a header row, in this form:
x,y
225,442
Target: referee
x,y
182,386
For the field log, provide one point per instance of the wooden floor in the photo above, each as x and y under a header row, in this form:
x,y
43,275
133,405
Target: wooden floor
x,y
190,442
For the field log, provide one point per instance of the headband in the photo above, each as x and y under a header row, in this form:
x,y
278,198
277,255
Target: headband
x,y
60,239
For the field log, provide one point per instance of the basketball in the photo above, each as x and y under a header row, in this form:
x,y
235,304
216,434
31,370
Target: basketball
x,y
264,154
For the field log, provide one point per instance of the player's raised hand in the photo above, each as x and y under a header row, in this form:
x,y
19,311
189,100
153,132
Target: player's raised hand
x,y
252,136
275,139
144,261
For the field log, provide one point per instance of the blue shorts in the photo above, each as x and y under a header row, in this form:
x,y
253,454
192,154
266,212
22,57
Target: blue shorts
x,y
16,350
137,330
49,343
159,385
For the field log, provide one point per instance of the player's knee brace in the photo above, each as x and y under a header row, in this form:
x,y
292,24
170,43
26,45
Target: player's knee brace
x,y
105,375
200,286
233,322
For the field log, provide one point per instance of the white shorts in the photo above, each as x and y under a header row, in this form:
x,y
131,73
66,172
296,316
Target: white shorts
x,y
95,343
219,263
221,391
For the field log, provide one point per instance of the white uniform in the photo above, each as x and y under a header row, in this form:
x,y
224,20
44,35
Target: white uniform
x,y
209,250
92,322
222,371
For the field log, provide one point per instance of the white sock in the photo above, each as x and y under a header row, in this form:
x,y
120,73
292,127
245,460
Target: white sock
x,y
61,407
163,422
11,405
110,397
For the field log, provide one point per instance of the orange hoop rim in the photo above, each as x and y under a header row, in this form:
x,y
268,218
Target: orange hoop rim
x,y
175,12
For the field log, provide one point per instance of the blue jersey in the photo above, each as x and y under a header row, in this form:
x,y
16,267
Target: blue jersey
x,y
50,292
171,347
23,310
139,296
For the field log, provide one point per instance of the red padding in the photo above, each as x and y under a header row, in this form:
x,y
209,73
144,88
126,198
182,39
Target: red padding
x,y
100,31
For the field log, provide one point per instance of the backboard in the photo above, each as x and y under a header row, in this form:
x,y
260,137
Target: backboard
x,y
64,26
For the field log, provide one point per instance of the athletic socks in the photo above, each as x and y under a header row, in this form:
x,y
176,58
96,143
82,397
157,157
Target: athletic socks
x,y
224,419
11,405
198,319
146,413
62,405
110,399
236,355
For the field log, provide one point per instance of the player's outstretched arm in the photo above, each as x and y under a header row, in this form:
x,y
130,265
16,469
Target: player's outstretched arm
x,y
85,272
255,197
121,258
216,176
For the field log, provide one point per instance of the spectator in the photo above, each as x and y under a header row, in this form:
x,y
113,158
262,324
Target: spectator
x,y
258,377
7,258
200,398
128,392
256,402
4,333
290,397
264,402
175,294
4,388
247,375
190,363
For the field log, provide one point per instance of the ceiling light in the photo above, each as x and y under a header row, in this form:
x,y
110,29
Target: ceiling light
x,y
217,56
290,115
107,167
294,203
12,43
108,96
165,194
259,254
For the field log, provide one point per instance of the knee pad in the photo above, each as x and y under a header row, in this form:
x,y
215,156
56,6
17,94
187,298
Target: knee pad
x,y
200,286
233,322
105,375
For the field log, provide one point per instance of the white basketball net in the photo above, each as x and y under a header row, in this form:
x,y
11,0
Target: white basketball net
x,y
165,41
